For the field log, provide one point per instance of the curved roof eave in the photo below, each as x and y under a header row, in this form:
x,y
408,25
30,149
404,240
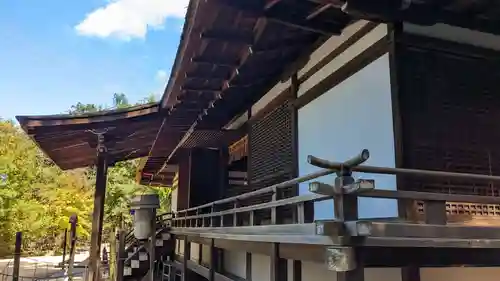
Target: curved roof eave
x,y
38,121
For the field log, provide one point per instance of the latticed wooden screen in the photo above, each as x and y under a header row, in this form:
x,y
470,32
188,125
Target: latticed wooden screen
x,y
450,106
271,151
270,157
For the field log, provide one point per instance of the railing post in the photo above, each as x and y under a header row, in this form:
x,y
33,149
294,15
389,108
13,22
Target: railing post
x,y
212,218
235,215
346,209
17,256
274,216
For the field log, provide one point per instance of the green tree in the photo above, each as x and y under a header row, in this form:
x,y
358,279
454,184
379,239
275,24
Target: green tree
x,y
37,198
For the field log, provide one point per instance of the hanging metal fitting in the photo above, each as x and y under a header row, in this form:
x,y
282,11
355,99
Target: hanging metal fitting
x,y
101,146
340,259
338,189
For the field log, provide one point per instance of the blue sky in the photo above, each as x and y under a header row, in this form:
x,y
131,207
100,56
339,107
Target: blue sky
x,y
55,53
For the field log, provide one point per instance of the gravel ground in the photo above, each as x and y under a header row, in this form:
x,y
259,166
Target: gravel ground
x,y
39,268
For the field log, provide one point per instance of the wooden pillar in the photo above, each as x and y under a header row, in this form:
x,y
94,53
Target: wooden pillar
x,y
184,180
98,213
279,271
205,176
187,257
121,255
64,244
73,220
17,256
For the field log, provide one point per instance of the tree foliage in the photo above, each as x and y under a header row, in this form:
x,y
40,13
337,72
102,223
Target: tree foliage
x,y
38,198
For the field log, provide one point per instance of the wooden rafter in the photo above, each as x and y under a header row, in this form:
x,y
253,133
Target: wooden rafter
x,y
202,89
228,36
206,76
281,45
213,61
284,17
258,30
271,3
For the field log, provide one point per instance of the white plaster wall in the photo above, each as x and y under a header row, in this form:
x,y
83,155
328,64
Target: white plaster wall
x,y
173,200
456,34
460,274
195,250
354,115
235,263
318,272
180,247
261,268
205,254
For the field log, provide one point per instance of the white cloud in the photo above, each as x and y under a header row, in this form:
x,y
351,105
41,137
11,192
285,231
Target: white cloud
x,y
127,19
161,75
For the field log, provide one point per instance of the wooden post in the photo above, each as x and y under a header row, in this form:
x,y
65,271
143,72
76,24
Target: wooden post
x,y
187,257
73,220
98,214
64,244
17,256
213,260
152,247
120,255
346,209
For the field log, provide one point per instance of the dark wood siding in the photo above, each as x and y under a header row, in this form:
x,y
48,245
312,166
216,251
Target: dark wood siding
x,y
450,111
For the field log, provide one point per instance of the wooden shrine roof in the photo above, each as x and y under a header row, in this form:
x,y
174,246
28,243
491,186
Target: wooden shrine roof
x,y
70,142
227,59
231,52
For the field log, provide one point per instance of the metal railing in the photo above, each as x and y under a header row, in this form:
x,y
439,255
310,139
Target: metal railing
x,y
345,187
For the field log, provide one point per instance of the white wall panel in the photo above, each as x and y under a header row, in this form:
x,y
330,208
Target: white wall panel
x,y
173,200
235,263
261,268
195,250
318,272
205,254
354,115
